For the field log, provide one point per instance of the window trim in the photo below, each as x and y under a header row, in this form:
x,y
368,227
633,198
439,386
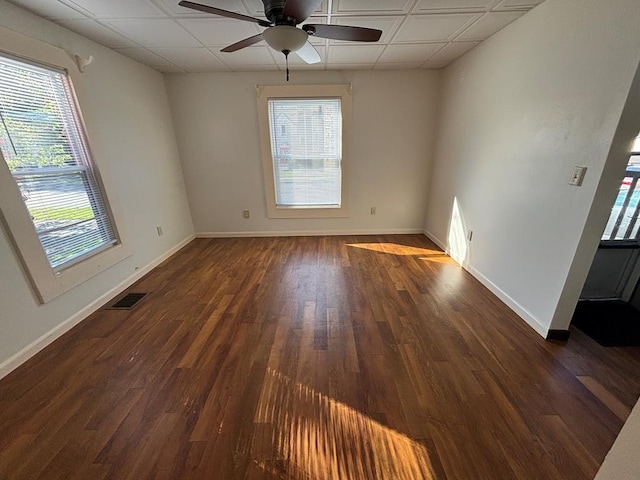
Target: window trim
x,y
267,92
47,284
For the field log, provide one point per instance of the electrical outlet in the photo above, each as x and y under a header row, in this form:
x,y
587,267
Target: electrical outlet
x,y
373,210
159,230
246,214
578,176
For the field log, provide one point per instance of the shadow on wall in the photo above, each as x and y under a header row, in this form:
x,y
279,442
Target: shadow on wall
x,y
457,246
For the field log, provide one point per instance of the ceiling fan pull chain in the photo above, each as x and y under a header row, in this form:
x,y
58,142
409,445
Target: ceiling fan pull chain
x,y
286,59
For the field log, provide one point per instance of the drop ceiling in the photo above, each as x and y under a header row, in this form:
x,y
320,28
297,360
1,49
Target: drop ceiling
x,y
170,38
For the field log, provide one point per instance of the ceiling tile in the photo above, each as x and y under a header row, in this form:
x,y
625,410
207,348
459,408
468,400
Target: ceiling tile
x,y
354,53
119,8
142,55
488,25
475,5
190,59
388,25
255,68
247,56
49,9
371,6
349,66
218,31
409,52
302,66
172,7
97,32
154,32
414,31
449,53
397,66
433,28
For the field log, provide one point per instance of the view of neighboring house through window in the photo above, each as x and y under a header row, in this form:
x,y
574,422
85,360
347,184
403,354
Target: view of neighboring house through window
x,y
624,224
306,147
43,144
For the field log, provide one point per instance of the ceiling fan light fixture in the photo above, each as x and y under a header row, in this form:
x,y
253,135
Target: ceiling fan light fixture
x,y
285,38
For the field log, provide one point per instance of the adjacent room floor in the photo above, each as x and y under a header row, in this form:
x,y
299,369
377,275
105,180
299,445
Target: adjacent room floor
x,y
314,358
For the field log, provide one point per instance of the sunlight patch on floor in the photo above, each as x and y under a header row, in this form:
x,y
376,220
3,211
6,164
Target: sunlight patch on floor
x,y
426,254
395,249
443,258
302,434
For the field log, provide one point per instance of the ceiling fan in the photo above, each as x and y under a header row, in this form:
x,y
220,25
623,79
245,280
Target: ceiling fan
x,y
282,33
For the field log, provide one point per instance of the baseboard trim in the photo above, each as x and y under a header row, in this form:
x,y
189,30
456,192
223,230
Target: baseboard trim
x,y
308,233
560,335
435,240
510,302
34,347
518,309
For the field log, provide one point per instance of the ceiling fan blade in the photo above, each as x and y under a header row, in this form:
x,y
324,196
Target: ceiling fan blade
x,y
300,9
309,54
343,32
223,13
243,43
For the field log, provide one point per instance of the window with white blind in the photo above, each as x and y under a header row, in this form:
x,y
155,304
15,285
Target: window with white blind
x,y
42,144
51,196
303,140
306,147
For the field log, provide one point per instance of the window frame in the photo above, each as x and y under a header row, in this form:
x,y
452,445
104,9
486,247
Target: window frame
x,y
268,92
46,283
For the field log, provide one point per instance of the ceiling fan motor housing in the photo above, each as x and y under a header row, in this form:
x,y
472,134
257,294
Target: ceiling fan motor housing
x,y
273,10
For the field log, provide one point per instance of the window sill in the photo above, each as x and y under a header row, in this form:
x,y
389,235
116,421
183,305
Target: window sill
x,y
307,212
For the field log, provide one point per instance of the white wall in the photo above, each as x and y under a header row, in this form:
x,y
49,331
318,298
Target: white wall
x,y
130,129
217,129
518,113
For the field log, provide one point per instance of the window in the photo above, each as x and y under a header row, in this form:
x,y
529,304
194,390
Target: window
x,y
43,147
51,196
303,143
623,224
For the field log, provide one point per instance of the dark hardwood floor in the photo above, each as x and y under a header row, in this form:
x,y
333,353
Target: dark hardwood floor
x,y
314,358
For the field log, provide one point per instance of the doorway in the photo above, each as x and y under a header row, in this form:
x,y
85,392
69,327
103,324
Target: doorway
x,y
609,306
615,270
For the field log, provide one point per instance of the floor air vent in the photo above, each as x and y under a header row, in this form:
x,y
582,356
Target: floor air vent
x,y
127,302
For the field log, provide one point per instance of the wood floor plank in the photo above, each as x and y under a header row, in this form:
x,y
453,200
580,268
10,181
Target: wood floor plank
x,y
344,357
606,397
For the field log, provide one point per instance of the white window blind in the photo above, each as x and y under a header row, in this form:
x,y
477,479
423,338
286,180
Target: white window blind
x,y
44,147
306,147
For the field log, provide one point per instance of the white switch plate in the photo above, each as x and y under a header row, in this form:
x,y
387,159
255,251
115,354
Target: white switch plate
x,y
578,176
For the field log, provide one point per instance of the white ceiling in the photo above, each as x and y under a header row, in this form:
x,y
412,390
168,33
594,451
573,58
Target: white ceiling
x,y
170,38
